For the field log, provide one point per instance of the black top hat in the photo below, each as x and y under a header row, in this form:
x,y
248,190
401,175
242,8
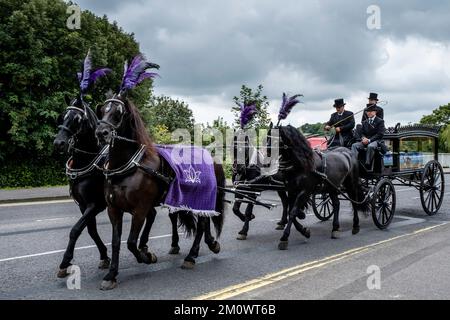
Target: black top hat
x,y
371,107
373,96
339,103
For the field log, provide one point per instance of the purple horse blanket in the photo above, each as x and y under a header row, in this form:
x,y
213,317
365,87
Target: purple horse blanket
x,y
194,188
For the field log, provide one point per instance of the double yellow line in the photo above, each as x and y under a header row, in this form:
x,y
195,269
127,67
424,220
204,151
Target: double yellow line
x,y
272,278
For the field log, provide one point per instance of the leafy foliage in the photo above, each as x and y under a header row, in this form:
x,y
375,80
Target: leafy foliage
x,y
246,97
39,60
167,112
313,129
441,117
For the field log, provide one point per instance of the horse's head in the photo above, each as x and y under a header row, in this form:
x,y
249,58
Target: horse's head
x,y
112,115
73,122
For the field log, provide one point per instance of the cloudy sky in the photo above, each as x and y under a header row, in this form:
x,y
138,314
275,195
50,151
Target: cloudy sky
x,y
323,49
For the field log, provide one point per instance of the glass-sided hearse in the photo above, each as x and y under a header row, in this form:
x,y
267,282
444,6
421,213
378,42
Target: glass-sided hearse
x,y
410,158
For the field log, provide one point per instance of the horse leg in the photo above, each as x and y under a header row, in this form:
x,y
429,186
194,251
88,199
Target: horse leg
x,y
237,208
249,216
283,244
92,230
336,206
285,202
213,245
116,217
75,233
300,228
146,232
175,248
141,255
355,229
189,261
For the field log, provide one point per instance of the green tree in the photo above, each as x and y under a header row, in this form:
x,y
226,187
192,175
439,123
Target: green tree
x,y
441,117
173,114
313,129
38,63
248,95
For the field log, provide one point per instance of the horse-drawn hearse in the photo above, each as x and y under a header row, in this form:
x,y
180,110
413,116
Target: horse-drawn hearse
x,y
114,164
411,160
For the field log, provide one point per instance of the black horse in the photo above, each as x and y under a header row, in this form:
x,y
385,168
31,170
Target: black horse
x,y
306,171
137,181
76,136
249,175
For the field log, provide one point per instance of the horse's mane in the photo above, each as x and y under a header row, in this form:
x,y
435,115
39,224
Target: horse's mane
x,y
138,127
300,149
92,117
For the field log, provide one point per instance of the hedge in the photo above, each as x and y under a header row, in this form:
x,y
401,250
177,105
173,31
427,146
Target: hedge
x,y
32,174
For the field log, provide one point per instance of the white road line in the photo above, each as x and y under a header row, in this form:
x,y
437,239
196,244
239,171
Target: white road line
x,y
34,203
54,219
63,250
271,278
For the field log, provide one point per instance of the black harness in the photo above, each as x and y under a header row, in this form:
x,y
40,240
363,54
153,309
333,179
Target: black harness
x,y
135,163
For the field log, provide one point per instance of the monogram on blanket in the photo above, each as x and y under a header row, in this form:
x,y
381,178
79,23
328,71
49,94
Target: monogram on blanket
x,y
194,188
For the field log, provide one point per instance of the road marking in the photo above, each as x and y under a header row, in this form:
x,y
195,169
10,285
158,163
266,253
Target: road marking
x,y
272,278
63,250
55,219
34,203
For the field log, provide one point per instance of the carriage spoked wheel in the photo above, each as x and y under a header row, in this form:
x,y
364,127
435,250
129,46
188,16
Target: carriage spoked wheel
x,y
432,187
383,203
322,206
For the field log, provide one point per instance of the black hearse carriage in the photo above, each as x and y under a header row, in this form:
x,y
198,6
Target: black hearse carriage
x,y
411,160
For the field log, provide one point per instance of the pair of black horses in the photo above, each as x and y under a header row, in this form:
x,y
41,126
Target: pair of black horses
x,y
134,179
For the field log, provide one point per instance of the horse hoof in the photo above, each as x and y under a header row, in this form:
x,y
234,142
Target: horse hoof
x,y
174,250
280,227
104,264
215,248
355,231
144,249
108,285
62,273
152,257
189,265
283,245
335,235
241,237
307,233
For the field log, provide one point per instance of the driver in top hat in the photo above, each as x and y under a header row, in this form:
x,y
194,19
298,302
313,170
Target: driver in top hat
x,y
371,133
373,100
343,121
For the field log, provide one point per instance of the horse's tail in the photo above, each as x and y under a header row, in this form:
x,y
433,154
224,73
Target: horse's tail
x,y
220,198
188,221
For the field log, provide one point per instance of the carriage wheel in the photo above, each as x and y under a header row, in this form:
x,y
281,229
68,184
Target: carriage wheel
x,y
322,206
432,187
383,204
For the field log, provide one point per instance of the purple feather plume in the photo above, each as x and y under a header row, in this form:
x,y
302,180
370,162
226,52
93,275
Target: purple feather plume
x,y
136,72
86,78
287,104
247,113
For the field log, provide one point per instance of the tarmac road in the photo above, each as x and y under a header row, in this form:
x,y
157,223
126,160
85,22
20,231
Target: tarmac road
x,y
411,257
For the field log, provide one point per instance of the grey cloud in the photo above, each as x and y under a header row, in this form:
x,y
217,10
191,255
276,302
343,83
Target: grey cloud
x,y
213,47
